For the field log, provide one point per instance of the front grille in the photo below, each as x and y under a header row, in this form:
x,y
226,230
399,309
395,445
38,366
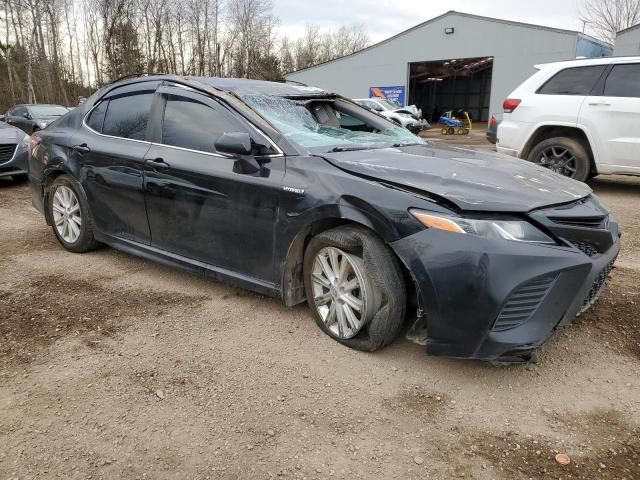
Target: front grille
x,y
596,287
6,152
523,303
586,248
586,222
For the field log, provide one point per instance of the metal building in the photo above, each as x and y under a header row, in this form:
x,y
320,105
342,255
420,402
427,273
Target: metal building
x,y
628,42
454,61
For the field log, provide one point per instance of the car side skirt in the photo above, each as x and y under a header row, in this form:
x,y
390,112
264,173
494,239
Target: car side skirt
x,y
173,260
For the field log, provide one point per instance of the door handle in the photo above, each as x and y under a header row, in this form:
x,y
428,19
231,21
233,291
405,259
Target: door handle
x,y
81,148
599,104
159,163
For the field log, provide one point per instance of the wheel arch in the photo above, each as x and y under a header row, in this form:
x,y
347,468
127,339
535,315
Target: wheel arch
x,y
292,282
575,132
50,174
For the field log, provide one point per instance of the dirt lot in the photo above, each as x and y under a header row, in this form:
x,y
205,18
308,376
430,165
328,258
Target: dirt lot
x,y
116,367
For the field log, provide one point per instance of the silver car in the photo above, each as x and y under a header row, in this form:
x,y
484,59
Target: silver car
x,y
14,152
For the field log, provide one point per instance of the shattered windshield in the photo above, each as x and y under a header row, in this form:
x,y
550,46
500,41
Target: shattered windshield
x,y
295,120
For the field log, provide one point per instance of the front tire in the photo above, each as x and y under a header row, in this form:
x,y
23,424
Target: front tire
x,y
563,155
69,214
355,288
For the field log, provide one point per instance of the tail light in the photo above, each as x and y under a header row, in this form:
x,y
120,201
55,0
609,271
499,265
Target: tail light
x,y
34,142
510,104
493,122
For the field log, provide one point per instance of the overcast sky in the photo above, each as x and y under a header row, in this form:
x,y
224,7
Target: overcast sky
x,y
388,17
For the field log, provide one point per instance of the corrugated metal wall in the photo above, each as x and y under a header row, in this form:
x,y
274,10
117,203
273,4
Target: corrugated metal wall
x,y
515,48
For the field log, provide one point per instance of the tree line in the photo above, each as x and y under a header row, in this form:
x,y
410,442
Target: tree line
x,y
55,51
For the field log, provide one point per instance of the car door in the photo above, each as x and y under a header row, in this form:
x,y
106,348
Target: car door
x,y
110,148
612,116
559,100
204,205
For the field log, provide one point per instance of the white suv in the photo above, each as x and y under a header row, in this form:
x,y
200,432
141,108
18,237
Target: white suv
x,y
579,118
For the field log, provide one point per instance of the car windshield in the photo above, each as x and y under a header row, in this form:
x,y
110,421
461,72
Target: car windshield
x,y
47,110
319,125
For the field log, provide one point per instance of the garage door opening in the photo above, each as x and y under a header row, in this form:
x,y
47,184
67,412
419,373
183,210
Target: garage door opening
x,y
457,84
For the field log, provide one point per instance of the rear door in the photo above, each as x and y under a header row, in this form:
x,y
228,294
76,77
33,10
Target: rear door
x,y
612,116
110,148
562,96
202,204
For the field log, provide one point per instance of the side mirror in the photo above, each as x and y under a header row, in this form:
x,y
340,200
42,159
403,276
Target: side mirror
x,y
237,143
27,115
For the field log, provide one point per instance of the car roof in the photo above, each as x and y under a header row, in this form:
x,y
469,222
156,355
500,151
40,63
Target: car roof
x,y
244,86
585,62
238,86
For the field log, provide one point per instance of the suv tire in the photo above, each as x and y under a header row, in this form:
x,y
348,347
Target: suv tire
x,y
563,155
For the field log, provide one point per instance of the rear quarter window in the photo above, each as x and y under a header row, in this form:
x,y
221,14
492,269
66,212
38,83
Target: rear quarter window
x,y
623,81
573,81
96,117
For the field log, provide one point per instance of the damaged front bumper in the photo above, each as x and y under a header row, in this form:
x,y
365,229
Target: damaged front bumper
x,y
498,300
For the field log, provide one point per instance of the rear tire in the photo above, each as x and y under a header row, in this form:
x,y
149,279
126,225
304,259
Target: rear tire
x,y
563,155
381,289
68,210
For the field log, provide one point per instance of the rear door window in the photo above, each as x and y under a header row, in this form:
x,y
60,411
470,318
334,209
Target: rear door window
x,y
623,81
573,81
127,116
191,124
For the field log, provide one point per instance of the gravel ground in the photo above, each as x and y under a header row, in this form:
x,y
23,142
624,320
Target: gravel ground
x,y
115,367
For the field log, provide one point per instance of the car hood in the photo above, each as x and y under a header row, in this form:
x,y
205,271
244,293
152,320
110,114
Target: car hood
x,y
47,119
472,180
9,134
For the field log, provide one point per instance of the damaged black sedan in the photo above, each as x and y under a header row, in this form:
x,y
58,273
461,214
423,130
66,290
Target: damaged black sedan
x,y
297,193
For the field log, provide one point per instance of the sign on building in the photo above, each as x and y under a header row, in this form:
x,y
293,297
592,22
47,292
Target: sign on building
x,y
394,94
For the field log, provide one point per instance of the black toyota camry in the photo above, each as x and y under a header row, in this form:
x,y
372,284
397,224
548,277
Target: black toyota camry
x,y
301,194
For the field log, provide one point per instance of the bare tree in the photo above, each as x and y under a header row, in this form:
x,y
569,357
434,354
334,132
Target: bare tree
x,y
607,17
56,50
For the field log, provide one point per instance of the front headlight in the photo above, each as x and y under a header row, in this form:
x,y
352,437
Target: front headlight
x,y
24,143
514,230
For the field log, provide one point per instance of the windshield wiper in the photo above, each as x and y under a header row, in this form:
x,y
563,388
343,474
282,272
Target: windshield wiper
x,y
347,149
398,145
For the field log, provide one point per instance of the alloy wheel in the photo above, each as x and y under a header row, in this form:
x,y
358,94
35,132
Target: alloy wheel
x,y
66,214
559,160
340,292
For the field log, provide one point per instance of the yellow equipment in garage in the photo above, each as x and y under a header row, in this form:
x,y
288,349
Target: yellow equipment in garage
x,y
455,126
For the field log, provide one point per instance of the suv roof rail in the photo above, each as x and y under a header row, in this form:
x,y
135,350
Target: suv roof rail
x,y
140,74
